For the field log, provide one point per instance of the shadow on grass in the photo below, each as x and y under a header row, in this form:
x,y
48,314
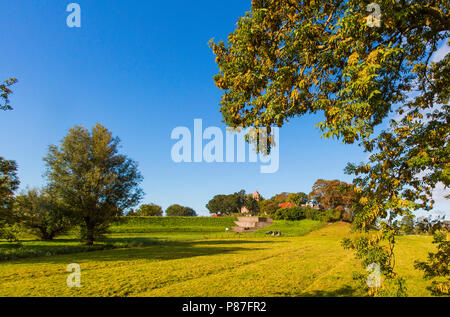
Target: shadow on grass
x,y
41,248
120,249
345,291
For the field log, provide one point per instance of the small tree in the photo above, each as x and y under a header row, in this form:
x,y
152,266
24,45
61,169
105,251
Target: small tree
x,y
148,210
180,211
407,224
93,179
9,232
43,213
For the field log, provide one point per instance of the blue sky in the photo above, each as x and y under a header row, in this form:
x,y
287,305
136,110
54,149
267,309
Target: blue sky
x,y
140,68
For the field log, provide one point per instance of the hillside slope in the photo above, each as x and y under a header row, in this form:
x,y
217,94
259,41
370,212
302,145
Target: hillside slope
x,y
310,265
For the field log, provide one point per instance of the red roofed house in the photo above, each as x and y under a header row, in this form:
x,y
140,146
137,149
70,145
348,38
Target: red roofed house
x,y
286,205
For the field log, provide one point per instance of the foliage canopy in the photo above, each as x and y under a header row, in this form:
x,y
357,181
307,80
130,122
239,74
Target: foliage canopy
x,y
91,177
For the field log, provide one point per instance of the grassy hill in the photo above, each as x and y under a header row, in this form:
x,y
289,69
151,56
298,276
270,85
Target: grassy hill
x,y
309,265
203,227
145,231
168,225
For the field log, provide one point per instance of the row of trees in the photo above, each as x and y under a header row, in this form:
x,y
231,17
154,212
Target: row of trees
x,y
153,210
332,200
89,184
327,194
422,225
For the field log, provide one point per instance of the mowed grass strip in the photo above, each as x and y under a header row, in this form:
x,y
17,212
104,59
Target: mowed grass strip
x,y
310,265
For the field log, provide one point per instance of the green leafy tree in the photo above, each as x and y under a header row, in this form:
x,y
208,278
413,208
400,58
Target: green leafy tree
x,y
268,207
240,197
298,198
91,177
5,91
43,213
280,198
149,210
252,205
9,183
407,224
225,204
405,165
180,211
10,232
332,194
288,58
437,265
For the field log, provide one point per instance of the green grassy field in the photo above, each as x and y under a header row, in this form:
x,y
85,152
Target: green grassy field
x,y
202,259
138,232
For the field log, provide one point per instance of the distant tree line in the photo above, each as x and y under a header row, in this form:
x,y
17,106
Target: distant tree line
x,y
153,210
88,185
329,200
422,225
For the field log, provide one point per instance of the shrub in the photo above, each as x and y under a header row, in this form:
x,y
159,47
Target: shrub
x,y
43,213
313,214
180,211
299,213
347,216
9,232
332,215
148,210
293,213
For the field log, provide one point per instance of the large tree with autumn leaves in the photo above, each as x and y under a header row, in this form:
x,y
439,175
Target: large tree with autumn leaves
x,y
287,58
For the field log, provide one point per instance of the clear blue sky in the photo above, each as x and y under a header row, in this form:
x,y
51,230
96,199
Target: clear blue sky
x,y
140,68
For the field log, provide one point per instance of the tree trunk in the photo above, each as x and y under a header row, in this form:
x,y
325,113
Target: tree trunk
x,y
89,234
46,235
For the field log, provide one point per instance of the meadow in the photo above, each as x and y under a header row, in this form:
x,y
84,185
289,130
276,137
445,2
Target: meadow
x,y
198,257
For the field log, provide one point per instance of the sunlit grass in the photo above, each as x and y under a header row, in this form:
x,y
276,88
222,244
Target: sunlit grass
x,y
132,232
239,265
